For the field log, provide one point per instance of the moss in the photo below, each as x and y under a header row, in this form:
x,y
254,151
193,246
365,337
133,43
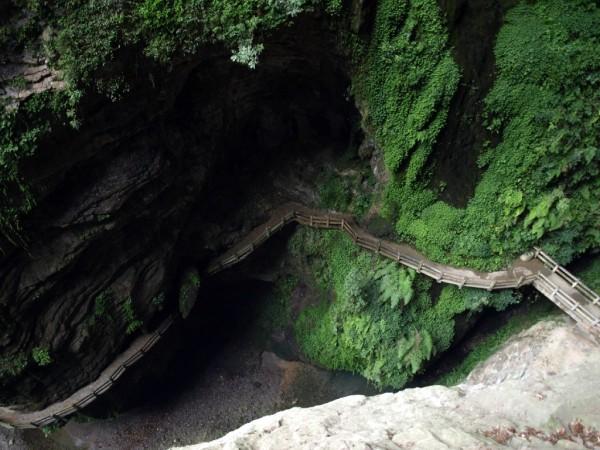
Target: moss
x,y
406,81
538,311
541,183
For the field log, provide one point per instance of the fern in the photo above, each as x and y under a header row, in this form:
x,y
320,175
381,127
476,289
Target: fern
x,y
395,284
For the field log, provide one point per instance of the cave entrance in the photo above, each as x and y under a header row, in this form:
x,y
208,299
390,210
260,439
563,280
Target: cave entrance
x,y
256,137
274,128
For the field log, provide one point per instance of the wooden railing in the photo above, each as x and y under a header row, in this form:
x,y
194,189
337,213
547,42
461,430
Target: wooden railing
x,y
538,269
400,253
556,283
58,412
568,292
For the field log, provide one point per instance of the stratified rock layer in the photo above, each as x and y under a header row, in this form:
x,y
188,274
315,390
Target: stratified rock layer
x,y
149,186
541,390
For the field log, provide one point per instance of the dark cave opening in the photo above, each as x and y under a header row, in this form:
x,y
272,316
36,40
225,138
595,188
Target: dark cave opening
x,y
277,129
242,141
166,179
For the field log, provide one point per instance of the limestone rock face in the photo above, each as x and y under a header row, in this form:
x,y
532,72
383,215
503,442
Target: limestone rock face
x,y
35,75
150,185
541,390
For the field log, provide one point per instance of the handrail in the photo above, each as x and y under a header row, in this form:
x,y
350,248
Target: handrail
x,y
552,280
538,271
58,412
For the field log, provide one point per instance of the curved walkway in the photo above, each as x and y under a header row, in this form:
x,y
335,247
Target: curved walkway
x,y
535,268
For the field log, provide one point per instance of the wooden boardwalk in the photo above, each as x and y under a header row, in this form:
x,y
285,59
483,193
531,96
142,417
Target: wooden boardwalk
x,y
57,412
535,268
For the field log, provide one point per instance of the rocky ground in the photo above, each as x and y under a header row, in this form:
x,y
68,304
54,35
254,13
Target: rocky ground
x,y
242,382
541,390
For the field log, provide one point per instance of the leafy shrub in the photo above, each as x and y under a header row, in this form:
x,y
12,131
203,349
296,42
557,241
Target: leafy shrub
x,y
382,323
21,130
407,79
41,356
395,284
591,274
12,365
541,183
130,317
346,192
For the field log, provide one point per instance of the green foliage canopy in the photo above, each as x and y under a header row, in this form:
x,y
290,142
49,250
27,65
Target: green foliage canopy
x,y
541,184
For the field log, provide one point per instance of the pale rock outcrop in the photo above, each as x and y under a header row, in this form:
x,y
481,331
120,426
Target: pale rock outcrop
x,y
541,390
26,75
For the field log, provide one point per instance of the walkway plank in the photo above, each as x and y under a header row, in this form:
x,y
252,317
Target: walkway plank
x,y
564,289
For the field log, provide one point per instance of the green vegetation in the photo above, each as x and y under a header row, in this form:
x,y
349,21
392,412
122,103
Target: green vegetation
x,y
89,36
538,311
159,301
383,322
346,192
49,429
188,292
591,274
41,356
101,314
541,183
130,317
275,313
407,80
88,42
12,365
21,131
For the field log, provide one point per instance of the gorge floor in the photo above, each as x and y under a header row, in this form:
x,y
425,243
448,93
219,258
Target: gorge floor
x,y
208,396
